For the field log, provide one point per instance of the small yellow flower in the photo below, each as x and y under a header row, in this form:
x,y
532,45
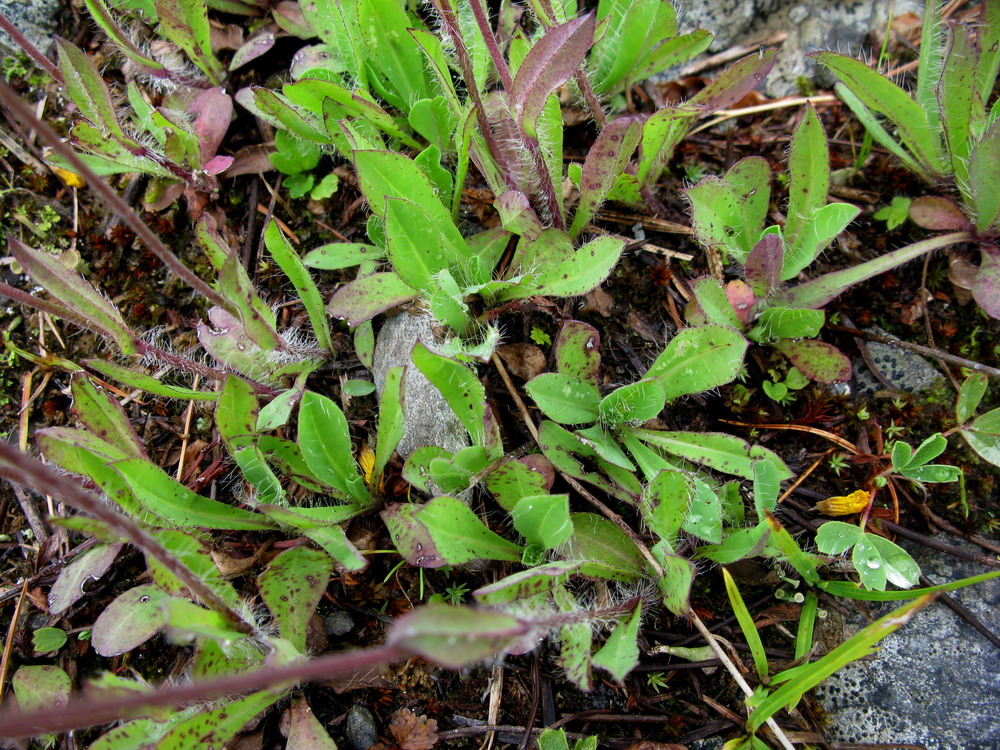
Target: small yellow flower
x,y
72,179
366,460
845,505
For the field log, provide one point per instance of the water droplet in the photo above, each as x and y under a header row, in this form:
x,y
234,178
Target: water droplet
x,y
874,564
419,547
452,640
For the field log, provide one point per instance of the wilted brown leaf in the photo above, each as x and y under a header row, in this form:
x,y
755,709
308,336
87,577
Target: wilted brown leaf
x,y
524,360
413,732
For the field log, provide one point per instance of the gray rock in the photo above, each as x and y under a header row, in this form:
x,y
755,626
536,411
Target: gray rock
x,y
338,623
429,420
35,19
906,371
838,25
935,681
360,729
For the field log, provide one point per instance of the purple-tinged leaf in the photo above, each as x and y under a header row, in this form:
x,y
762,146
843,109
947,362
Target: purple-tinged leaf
x,y
938,213
736,81
304,729
217,165
455,636
517,215
130,620
817,360
213,110
366,297
288,15
410,537
254,47
550,62
292,586
607,159
257,318
89,566
578,351
526,583
104,416
984,186
742,300
87,88
986,287
89,308
42,686
763,265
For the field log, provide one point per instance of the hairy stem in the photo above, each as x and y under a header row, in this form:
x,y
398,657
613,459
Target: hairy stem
x,y
92,711
17,467
30,49
491,44
23,113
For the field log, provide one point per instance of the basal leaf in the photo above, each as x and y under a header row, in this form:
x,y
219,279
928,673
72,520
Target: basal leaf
x,y
716,450
367,296
637,402
292,586
217,727
607,158
564,398
969,396
698,359
129,621
809,182
621,651
525,584
604,549
459,534
577,351
185,23
817,360
325,441
454,636
458,384
543,520
293,267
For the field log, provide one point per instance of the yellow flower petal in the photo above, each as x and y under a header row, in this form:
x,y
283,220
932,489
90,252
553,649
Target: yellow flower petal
x,y
366,460
844,505
72,179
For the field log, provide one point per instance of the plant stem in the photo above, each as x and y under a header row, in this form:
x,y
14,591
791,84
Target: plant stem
x,y
447,14
17,467
816,293
30,49
491,45
23,113
93,711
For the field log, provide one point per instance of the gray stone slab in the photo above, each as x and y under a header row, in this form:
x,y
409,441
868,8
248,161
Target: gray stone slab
x,y
429,420
36,19
935,681
906,371
838,25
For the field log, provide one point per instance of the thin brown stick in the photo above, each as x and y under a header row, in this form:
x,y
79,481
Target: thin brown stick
x,y
30,49
8,645
918,348
799,428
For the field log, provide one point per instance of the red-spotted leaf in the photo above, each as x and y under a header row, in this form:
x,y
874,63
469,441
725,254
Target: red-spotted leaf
x,y
735,82
763,265
367,296
817,360
605,161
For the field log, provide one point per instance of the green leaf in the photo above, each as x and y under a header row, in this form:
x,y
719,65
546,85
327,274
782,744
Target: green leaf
x,y
748,627
390,419
38,687
334,541
737,544
969,396
984,190
714,303
716,450
217,727
145,382
697,359
855,648
341,255
525,584
46,640
564,398
809,180
847,590
88,566
621,651
605,550
237,413
169,499
87,88
878,560
460,535
325,441
418,248
675,583
515,479
575,272
836,537
805,564
787,323
766,487
704,518
606,160
895,213
577,351
638,402
189,553
292,586
459,385
129,621
293,267
818,360
665,502
277,413
880,94
185,23
543,520
454,636
821,229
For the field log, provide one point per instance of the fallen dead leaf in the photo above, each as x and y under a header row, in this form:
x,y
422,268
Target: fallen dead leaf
x,y
523,359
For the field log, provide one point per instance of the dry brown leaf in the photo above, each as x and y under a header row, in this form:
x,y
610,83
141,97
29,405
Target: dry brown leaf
x,y
598,301
523,359
413,732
